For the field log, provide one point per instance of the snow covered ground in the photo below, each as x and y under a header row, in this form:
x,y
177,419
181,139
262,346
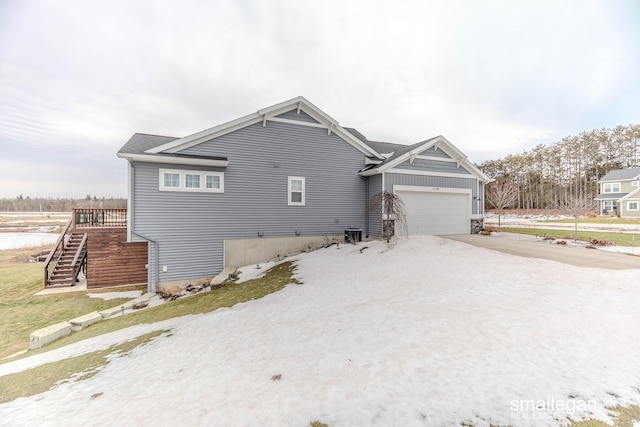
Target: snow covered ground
x,y
430,332
24,240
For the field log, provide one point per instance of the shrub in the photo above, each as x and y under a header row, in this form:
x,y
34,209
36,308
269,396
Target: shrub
x,y
591,215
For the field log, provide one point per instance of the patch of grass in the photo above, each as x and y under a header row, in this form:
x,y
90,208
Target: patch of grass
x,y
622,417
318,424
23,312
597,220
44,377
620,239
233,293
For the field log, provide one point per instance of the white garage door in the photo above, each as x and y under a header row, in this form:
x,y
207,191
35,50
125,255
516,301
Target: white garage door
x,y
437,213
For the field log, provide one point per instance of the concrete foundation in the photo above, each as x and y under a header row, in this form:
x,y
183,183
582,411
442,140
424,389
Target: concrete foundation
x,y
44,336
240,252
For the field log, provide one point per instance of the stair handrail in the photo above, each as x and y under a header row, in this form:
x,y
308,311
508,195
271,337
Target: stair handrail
x,y
81,249
59,245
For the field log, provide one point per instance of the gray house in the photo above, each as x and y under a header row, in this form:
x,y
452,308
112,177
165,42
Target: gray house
x,y
279,181
620,193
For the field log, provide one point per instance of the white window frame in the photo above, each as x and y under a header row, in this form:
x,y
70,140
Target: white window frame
x,y
634,183
182,182
633,202
290,180
608,187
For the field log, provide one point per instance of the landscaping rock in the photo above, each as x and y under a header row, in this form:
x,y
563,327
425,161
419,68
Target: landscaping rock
x,y
110,311
44,336
86,320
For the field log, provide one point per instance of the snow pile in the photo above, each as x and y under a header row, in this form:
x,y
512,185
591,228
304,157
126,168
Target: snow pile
x,y
25,240
430,332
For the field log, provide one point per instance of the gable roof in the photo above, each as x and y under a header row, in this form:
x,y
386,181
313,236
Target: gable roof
x,y
402,153
621,175
267,114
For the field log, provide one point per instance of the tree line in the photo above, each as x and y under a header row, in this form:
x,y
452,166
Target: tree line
x,y
49,204
568,169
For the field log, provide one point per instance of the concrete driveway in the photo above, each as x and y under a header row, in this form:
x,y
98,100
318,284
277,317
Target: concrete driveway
x,y
534,247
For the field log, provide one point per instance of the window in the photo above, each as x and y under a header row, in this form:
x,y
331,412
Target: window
x,y
296,191
213,182
186,180
609,206
634,183
171,180
611,187
633,206
192,180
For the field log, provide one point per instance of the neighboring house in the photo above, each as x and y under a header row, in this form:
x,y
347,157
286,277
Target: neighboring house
x,y
281,180
620,193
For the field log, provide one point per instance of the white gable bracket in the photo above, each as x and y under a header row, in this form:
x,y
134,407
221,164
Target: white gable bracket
x,y
436,145
412,158
459,162
264,120
330,129
299,106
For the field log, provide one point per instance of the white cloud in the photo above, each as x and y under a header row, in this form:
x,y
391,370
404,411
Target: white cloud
x,y
493,77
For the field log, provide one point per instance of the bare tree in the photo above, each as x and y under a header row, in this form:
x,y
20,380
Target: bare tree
x,y
393,212
501,194
576,206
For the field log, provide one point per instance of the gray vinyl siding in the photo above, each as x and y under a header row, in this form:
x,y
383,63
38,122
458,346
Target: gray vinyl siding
x,y
432,152
433,166
191,226
293,115
391,179
375,216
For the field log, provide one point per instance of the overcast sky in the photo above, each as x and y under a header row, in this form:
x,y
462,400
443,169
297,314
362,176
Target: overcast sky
x,y
78,78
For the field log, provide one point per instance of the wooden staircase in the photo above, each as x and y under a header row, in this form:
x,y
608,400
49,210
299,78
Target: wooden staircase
x,y
65,260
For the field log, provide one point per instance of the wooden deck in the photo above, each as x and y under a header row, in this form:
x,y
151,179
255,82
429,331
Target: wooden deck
x,y
95,241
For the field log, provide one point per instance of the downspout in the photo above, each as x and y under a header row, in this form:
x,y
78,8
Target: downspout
x,y
151,284
366,205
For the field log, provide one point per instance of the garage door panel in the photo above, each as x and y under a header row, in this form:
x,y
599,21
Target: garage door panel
x,y
438,213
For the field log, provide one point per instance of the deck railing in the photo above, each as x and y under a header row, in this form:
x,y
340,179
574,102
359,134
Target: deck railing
x,y
54,256
89,217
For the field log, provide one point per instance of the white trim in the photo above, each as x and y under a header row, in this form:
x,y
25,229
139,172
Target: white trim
x,y
626,196
420,189
299,122
637,203
174,160
439,159
265,115
130,178
182,177
430,173
439,142
289,191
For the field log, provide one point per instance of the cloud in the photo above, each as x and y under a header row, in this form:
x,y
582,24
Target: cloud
x,y
494,77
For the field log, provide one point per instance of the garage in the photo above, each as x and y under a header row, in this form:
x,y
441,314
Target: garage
x,y
437,211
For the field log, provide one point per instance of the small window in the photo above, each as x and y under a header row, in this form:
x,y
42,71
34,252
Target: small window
x,y
213,182
192,180
634,183
296,191
171,180
633,206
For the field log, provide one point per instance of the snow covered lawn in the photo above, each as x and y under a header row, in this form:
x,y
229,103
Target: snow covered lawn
x,y
430,332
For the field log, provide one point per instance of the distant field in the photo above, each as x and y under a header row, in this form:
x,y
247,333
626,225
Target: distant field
x,y
33,221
